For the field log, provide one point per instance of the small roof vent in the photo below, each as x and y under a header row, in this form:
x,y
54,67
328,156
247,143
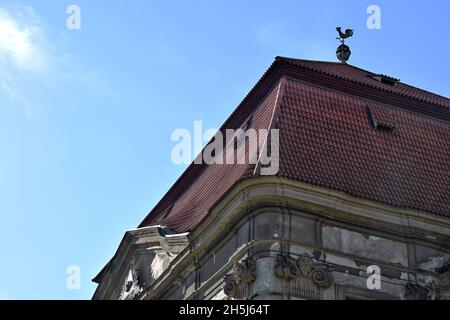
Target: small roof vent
x,y
379,124
390,81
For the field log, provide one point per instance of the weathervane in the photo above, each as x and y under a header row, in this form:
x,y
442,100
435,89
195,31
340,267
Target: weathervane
x,y
343,52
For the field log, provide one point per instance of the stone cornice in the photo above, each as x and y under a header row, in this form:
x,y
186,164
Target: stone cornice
x,y
331,205
328,203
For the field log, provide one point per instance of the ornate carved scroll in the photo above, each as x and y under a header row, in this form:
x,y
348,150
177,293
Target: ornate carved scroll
x,y
322,277
244,273
287,268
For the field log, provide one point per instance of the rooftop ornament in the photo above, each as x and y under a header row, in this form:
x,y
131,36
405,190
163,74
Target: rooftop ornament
x,y
343,52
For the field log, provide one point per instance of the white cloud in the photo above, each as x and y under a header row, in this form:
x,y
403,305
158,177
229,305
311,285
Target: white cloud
x,y
22,56
30,60
20,40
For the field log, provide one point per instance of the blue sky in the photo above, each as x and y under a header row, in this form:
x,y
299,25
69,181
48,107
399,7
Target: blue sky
x,y
86,115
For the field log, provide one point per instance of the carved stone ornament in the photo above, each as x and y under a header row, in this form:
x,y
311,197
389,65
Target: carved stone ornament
x,y
305,264
230,286
445,268
322,277
132,285
415,291
244,272
287,268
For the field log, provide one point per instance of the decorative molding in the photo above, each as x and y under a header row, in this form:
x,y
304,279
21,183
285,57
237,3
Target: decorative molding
x,y
439,289
132,285
230,286
243,274
287,268
416,291
245,271
321,276
304,288
295,194
305,264
317,200
445,268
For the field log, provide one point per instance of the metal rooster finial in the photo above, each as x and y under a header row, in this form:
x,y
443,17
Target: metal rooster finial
x,y
342,36
343,52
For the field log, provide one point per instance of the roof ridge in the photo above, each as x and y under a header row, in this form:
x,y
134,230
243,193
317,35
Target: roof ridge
x,y
273,121
303,63
423,90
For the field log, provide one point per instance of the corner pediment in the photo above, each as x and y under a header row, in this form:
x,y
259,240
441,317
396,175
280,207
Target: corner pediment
x,y
143,255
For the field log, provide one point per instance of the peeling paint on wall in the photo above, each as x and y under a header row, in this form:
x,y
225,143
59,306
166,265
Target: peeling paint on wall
x,y
371,247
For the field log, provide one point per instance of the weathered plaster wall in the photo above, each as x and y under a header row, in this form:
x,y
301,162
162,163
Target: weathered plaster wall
x,y
253,245
271,230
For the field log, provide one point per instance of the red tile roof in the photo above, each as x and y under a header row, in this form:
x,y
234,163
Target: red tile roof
x,y
214,181
326,140
357,75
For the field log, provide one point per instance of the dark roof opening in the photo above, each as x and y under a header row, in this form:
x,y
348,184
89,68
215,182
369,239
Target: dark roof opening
x,y
390,81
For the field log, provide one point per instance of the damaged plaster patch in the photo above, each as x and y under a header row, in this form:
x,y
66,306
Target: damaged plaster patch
x,y
341,261
295,250
220,296
425,280
407,276
159,264
369,247
275,247
434,263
